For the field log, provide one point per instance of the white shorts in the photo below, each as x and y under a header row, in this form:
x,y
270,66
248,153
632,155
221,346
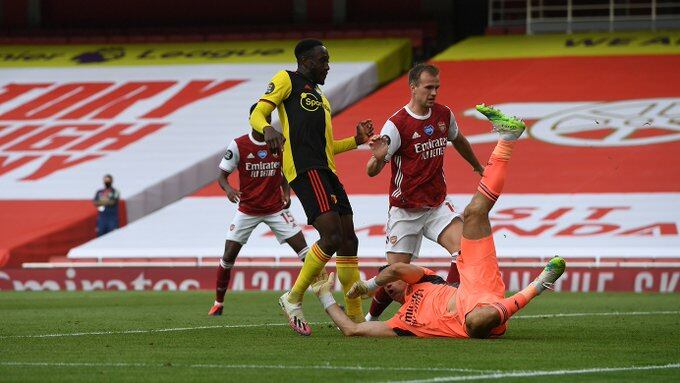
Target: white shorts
x,y
282,224
406,227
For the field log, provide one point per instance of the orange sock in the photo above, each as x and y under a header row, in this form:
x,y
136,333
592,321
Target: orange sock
x,y
493,179
509,306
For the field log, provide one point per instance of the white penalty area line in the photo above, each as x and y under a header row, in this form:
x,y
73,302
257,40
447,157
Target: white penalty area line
x,y
244,366
529,374
256,325
607,314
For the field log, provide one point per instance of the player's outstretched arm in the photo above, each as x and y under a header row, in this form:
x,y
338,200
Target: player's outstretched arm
x,y
364,133
462,145
397,271
322,288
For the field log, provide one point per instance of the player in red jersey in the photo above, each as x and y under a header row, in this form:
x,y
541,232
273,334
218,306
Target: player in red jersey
x,y
431,307
414,140
264,196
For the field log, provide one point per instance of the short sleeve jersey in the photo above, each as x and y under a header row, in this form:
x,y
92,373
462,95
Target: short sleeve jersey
x,y
416,150
425,310
259,173
305,115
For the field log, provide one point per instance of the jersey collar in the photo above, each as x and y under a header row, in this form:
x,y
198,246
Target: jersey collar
x,y
252,139
418,117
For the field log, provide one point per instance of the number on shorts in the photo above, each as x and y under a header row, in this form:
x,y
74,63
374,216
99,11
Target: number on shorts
x,y
287,217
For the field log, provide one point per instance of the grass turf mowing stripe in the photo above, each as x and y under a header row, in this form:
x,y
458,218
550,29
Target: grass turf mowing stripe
x,y
528,374
246,366
541,316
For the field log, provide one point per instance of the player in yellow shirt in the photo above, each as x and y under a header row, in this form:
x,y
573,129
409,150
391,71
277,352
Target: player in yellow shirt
x,y
309,167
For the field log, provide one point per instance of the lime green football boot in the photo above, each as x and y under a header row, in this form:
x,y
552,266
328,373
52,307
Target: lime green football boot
x,y
510,128
552,272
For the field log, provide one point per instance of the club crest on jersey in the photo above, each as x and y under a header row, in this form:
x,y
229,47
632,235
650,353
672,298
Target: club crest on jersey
x,y
250,156
393,239
429,130
442,126
415,135
262,153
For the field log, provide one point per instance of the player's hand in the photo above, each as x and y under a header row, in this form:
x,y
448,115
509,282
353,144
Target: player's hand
x,y
323,284
232,194
359,289
285,198
274,139
364,131
378,146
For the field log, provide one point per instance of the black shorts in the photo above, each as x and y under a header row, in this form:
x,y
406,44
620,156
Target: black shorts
x,y
320,191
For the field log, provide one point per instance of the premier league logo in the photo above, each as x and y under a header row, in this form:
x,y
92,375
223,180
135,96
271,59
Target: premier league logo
x,y
429,130
262,153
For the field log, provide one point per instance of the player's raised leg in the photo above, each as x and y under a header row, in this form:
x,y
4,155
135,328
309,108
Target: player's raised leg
x,y
486,319
231,250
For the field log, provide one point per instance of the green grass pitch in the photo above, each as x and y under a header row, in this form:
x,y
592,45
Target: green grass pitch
x,y
161,336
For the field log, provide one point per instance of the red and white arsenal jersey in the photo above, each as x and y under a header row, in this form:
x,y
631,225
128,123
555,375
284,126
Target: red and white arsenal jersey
x,y
259,174
416,149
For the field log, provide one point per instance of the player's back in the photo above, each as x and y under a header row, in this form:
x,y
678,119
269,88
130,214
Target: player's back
x,y
425,310
259,176
417,166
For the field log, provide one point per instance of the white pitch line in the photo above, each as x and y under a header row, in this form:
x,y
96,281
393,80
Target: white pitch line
x,y
245,366
613,313
73,334
528,374
145,331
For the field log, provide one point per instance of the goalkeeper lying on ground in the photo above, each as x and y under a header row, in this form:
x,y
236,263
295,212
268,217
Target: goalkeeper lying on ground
x,y
430,307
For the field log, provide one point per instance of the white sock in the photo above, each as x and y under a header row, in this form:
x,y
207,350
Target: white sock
x,y
370,317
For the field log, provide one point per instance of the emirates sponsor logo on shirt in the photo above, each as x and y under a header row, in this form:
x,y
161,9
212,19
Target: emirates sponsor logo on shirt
x,y
430,148
415,135
263,169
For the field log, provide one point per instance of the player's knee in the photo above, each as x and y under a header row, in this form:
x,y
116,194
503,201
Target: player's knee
x,y
474,210
350,240
331,241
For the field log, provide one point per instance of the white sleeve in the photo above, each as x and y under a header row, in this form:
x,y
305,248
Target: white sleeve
x,y
394,138
453,128
230,160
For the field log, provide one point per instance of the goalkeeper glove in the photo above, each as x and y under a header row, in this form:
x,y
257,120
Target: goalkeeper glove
x,y
363,289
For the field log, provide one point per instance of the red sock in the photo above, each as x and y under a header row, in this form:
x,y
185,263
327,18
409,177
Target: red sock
x,y
454,275
509,306
493,179
380,302
223,278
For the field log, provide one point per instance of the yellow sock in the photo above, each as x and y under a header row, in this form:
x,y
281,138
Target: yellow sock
x,y
348,273
315,261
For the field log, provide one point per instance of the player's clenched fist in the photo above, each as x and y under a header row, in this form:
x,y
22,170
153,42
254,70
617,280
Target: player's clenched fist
x,y
364,131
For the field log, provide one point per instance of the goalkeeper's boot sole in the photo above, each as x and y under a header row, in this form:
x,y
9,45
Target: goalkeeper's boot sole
x,y
296,319
510,128
216,310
